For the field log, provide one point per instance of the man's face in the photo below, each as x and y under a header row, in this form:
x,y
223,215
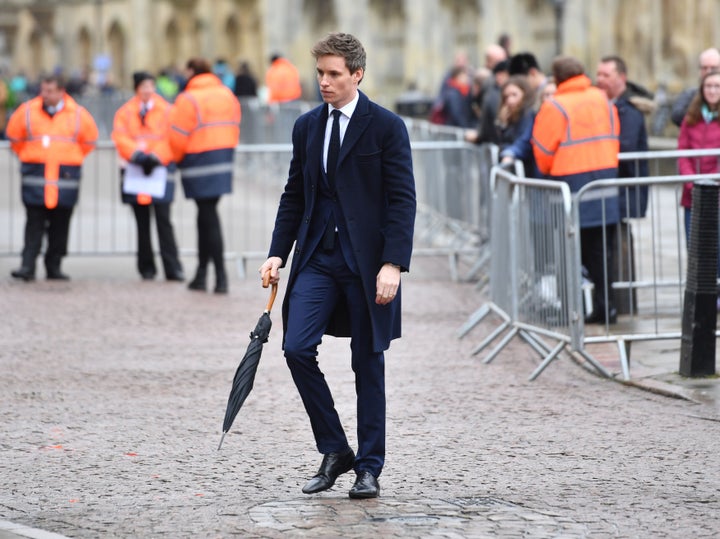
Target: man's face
x,y
709,61
145,90
609,80
337,85
50,93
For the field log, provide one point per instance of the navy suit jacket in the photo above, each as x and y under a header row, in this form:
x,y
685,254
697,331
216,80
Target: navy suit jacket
x,y
376,192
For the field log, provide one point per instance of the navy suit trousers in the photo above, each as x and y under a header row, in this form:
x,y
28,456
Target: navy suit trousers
x,y
324,280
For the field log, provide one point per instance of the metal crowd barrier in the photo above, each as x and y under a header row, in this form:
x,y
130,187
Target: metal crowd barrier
x,y
537,289
451,221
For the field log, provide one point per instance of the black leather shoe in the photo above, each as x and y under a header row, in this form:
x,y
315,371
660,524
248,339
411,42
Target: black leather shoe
x,y
333,465
598,317
57,275
177,276
221,285
147,275
24,273
366,486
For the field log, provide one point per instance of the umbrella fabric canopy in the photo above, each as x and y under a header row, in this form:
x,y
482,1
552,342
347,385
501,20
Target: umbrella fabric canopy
x,y
245,373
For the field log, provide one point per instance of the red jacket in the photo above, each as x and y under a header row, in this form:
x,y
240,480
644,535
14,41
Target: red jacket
x,y
702,135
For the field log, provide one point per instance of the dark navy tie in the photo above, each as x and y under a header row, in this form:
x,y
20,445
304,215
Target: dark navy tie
x,y
333,149
332,159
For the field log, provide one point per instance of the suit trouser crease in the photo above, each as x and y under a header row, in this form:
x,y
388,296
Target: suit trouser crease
x,y
316,291
166,239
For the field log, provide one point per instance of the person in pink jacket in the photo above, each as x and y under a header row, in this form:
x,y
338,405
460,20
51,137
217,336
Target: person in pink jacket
x,y
700,129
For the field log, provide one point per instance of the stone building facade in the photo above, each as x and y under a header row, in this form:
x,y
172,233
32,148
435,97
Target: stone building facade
x,y
408,41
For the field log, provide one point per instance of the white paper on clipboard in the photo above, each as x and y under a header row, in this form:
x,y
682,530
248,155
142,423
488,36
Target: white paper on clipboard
x,y
136,182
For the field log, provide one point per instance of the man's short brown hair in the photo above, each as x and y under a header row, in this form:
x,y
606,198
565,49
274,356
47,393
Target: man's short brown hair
x,y
566,67
345,45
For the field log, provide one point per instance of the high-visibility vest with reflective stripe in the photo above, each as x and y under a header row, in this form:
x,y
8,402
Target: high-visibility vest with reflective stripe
x,y
51,150
576,139
204,131
132,133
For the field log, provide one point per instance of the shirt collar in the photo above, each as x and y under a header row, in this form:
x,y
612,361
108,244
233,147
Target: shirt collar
x,y
348,109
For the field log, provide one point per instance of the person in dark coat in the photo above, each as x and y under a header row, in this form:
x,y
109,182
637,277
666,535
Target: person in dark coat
x,y
352,227
245,82
456,99
611,77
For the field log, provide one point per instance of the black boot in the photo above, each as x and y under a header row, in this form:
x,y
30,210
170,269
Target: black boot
x,y
24,273
221,282
200,280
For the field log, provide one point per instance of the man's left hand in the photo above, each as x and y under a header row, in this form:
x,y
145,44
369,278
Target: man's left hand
x,y
387,283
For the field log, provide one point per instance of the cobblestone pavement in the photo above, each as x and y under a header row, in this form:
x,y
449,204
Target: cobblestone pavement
x,y
113,391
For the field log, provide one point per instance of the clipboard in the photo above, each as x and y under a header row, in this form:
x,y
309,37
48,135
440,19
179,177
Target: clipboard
x,y
136,182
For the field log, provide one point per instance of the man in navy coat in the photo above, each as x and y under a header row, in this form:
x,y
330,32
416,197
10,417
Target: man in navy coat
x,y
352,226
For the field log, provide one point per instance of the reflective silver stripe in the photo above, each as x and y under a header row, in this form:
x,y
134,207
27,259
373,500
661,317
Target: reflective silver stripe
x,y
232,123
602,192
587,139
181,131
52,138
206,170
39,181
194,102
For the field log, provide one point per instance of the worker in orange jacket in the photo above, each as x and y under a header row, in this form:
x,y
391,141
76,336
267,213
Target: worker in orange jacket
x,y
282,80
140,133
576,139
204,131
51,134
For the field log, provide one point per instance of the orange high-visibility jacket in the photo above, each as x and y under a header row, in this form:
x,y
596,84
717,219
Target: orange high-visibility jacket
x,y
131,134
576,139
283,82
204,131
51,150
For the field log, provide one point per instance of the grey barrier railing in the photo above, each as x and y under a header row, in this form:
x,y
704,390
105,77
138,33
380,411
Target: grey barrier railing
x,y
537,289
451,221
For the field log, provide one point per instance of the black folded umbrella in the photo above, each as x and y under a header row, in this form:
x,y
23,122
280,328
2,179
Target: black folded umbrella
x,y
245,373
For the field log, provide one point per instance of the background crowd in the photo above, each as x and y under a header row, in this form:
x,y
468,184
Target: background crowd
x,y
500,102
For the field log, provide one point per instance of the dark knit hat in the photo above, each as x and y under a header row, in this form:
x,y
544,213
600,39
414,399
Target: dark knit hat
x,y
522,63
140,76
500,67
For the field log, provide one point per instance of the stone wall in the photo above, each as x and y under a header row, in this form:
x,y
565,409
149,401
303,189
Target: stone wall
x,y
407,41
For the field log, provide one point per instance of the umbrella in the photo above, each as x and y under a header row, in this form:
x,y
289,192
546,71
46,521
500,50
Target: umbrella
x,y
245,373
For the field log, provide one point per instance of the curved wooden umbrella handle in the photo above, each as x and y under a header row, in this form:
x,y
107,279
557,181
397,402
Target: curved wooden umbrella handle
x,y
273,292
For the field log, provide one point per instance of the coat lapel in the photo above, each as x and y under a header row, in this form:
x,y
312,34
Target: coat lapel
x,y
358,124
316,137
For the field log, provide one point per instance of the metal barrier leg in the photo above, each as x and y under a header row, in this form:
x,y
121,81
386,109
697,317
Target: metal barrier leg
x,y
479,264
548,359
624,361
241,266
453,263
495,351
490,338
598,367
474,319
535,343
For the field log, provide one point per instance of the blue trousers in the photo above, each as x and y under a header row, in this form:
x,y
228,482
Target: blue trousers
x,y
324,280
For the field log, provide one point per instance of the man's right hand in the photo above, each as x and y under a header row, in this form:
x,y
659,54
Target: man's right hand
x,y
271,266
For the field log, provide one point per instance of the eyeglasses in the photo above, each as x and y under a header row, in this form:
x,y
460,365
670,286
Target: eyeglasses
x,y
711,86
709,68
